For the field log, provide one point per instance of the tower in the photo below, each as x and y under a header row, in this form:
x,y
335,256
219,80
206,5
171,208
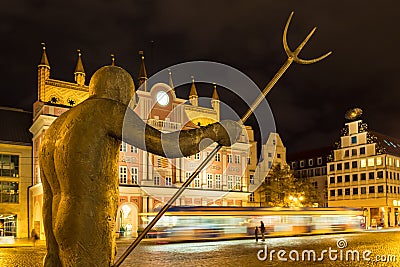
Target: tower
x,y
43,73
193,97
215,102
79,70
142,77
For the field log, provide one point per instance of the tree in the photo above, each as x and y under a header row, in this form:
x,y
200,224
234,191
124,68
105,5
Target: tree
x,y
282,189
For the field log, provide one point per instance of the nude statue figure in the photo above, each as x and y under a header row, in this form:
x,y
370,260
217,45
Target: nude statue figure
x,y
79,167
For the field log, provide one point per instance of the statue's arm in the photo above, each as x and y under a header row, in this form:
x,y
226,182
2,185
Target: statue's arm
x,y
180,143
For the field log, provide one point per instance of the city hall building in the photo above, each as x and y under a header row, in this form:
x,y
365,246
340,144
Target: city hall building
x,y
147,181
365,173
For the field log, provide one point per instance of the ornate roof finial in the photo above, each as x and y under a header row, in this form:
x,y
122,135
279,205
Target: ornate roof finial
x,y
193,91
79,65
44,61
142,72
171,84
215,94
112,60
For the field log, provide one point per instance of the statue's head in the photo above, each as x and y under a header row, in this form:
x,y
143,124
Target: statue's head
x,y
112,82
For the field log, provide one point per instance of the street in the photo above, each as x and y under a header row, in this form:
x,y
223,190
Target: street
x,y
372,248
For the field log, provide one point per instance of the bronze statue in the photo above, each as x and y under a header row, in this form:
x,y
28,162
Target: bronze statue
x,y
79,167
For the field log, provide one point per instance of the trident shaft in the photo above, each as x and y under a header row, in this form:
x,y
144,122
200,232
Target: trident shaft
x,y
292,56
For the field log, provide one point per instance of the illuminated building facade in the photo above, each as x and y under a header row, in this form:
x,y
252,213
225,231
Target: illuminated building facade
x,y
146,180
272,152
365,173
311,164
15,171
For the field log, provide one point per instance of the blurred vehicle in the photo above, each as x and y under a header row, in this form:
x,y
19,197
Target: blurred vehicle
x,y
217,223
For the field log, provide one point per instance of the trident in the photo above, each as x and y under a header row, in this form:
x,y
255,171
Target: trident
x,y
292,56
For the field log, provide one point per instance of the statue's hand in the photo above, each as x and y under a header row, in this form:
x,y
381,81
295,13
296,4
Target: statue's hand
x,y
228,133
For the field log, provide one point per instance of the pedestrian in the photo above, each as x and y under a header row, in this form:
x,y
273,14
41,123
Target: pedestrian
x,y
34,236
256,233
262,229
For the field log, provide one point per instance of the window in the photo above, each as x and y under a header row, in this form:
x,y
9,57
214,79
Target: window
x,y
340,192
339,166
269,164
9,192
197,156
347,178
332,180
347,165
347,191
196,181
248,161
355,191
363,190
238,185
315,184
331,167
123,147
354,140
9,165
156,180
354,164
302,163
187,175
237,159
134,149
218,157
319,161
363,176
310,162
371,175
371,162
362,150
371,189
380,189
339,179
379,174
278,156
346,153
229,158
230,182
168,181
269,155
134,174
355,177
209,181
251,179
251,197
123,174
363,163
218,181
354,152
332,193
311,173
317,171
378,161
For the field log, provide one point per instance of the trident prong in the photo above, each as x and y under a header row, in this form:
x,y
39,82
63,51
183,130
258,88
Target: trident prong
x,y
294,54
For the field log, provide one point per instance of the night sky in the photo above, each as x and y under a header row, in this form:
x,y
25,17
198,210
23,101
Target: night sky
x,y
308,103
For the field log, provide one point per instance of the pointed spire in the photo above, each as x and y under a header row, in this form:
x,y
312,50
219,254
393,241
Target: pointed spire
x,y
171,84
44,61
79,70
215,94
193,91
142,72
112,60
79,65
